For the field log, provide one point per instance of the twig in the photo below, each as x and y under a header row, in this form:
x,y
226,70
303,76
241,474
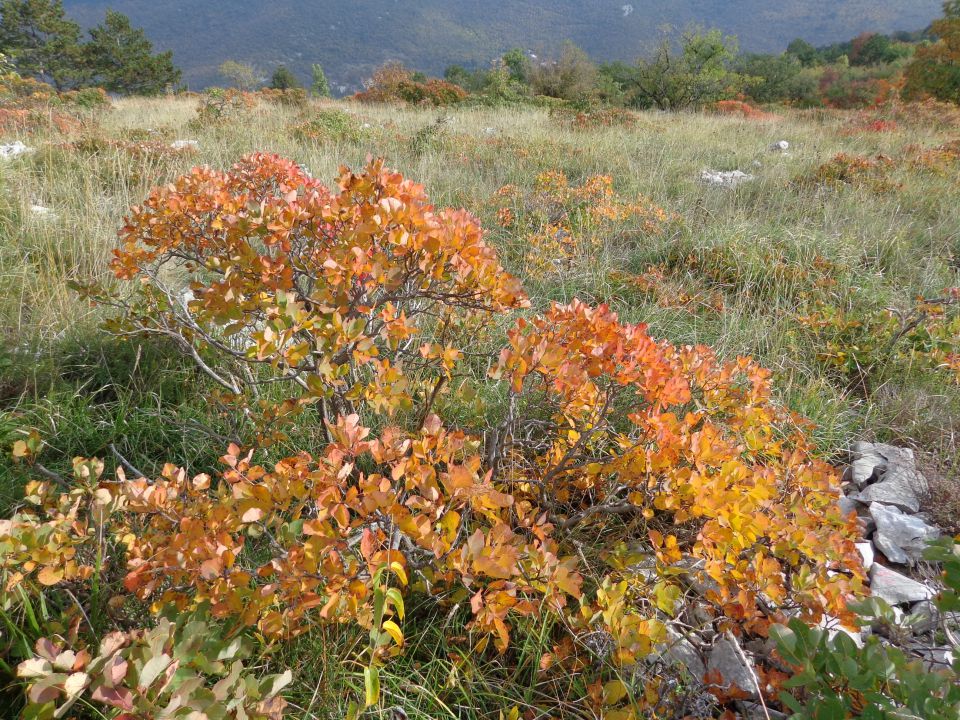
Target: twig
x,y
51,475
126,463
753,676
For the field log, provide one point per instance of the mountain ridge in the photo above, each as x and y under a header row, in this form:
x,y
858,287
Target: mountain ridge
x,y
351,37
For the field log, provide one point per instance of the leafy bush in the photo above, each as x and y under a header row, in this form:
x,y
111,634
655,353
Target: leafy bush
x,y
834,678
328,124
170,666
394,83
366,307
557,222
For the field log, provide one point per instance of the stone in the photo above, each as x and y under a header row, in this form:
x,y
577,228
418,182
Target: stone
x,y
895,588
866,552
780,146
923,618
900,483
42,213
902,538
680,651
890,550
891,492
848,505
185,145
727,659
725,178
14,150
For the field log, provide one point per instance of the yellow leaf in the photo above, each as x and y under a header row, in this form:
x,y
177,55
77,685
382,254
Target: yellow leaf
x,y
397,569
50,575
394,631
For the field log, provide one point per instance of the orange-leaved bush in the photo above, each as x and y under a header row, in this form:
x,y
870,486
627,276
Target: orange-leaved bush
x,y
616,471
361,295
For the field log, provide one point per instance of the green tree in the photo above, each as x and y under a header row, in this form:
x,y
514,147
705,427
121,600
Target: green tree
x,y
320,84
42,41
696,74
517,62
769,78
243,76
935,68
804,52
283,79
121,59
573,76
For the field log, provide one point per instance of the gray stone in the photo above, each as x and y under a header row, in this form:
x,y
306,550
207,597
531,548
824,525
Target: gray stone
x,y
680,651
895,588
14,150
923,618
899,483
902,538
727,659
848,505
890,550
185,145
866,552
891,492
725,178
780,146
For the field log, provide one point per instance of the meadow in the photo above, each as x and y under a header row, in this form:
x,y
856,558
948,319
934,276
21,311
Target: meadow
x,y
831,267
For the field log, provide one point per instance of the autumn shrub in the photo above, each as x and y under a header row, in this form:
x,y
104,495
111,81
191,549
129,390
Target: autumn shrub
x,y
860,171
218,105
739,108
859,345
558,222
595,118
289,97
363,307
394,83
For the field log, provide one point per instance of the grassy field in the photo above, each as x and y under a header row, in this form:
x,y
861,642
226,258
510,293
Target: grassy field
x,y
814,270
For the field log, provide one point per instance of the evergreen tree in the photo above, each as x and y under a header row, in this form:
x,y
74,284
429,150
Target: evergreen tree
x,y
283,79
320,85
42,41
121,59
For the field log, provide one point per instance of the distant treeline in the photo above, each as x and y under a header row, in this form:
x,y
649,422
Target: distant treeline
x,y
698,68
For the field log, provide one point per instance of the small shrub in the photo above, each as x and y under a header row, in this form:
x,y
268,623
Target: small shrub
x,y
741,109
394,83
328,125
558,222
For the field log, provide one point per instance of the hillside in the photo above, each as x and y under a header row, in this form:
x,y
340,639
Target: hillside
x,y
351,38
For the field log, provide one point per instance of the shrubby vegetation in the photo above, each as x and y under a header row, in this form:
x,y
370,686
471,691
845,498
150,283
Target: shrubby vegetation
x,y
350,463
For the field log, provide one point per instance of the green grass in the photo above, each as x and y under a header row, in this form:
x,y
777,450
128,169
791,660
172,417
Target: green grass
x,y
757,247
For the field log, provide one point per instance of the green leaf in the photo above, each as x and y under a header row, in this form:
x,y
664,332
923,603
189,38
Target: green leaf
x,y
371,685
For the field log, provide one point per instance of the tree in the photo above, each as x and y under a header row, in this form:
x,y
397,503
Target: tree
x,y
804,52
517,62
770,78
935,69
571,77
696,75
320,85
121,59
283,79
243,75
42,41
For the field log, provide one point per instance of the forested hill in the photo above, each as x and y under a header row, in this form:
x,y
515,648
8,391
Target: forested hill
x,y
350,37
